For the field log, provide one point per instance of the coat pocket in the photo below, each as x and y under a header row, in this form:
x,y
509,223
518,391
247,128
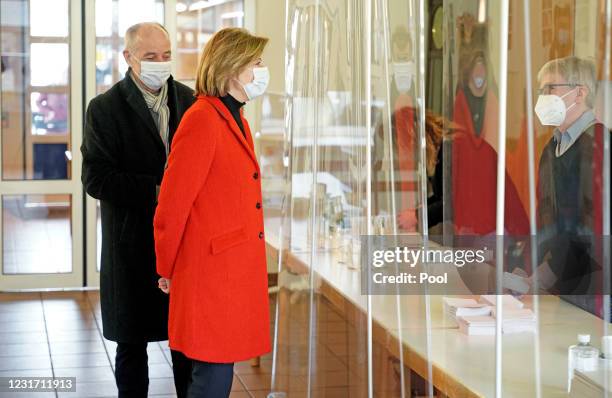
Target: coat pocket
x,y
227,240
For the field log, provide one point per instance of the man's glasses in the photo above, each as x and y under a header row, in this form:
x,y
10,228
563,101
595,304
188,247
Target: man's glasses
x,y
549,87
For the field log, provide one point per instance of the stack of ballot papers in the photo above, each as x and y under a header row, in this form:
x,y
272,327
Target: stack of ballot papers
x,y
477,325
590,384
516,319
508,301
456,307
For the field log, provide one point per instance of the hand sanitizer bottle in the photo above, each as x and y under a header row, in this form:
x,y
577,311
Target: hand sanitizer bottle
x,y
582,356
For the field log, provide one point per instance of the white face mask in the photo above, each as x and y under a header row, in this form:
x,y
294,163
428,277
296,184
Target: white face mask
x,y
154,74
261,78
551,109
403,74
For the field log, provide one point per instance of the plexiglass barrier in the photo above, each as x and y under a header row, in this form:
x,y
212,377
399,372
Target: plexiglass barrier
x,y
452,123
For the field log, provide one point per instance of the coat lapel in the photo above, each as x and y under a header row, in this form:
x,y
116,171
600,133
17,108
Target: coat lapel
x,y
225,113
139,106
175,115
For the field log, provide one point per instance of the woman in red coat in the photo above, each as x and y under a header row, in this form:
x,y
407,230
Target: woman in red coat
x,y
209,237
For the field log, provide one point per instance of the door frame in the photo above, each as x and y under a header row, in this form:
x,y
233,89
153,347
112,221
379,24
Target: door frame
x,y
71,186
90,222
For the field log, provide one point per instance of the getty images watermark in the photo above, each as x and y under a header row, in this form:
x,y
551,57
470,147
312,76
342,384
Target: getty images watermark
x,y
410,265
566,264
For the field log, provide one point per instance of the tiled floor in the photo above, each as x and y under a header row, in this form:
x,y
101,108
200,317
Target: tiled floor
x,y
320,346
60,333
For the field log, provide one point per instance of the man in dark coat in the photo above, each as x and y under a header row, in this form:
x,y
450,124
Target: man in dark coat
x,y
128,133
570,185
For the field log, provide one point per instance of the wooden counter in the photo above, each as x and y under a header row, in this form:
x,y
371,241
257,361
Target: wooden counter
x,y
463,366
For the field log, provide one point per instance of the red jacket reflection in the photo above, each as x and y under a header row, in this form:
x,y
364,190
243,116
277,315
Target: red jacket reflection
x,y
474,175
209,239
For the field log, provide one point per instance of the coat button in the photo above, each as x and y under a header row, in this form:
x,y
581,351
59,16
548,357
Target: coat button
x,y
258,205
261,235
255,175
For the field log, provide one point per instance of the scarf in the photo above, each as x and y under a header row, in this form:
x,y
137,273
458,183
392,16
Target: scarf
x,y
158,105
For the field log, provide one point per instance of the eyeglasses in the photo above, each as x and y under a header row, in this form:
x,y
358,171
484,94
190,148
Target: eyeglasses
x,y
549,87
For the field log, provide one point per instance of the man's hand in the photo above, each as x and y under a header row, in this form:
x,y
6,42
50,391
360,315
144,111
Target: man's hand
x,y
164,285
546,277
517,282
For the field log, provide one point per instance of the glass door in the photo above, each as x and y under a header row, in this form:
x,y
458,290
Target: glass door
x,y
40,135
50,71
189,23
103,54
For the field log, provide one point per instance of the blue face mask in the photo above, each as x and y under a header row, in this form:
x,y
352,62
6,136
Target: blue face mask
x,y
479,82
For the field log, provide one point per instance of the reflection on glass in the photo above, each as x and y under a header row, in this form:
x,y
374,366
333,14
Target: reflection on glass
x,y
49,64
130,12
474,154
49,113
35,90
196,22
104,14
42,12
113,18
270,148
37,235
104,66
322,313
564,263
395,183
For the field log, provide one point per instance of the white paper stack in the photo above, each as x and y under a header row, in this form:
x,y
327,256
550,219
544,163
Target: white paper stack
x,y
477,325
590,384
456,307
508,301
517,320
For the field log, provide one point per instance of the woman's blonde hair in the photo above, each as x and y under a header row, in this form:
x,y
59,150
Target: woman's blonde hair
x,y
436,128
224,57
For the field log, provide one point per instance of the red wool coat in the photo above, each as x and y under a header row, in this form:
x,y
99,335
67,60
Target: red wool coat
x,y
474,177
209,239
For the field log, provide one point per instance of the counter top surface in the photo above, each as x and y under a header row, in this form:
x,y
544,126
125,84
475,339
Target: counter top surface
x,y
468,360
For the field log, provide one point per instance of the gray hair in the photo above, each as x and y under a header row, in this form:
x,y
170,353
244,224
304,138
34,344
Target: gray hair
x,y
131,35
574,70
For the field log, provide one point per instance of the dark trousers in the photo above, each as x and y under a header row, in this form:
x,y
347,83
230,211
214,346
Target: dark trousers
x,y
132,371
211,380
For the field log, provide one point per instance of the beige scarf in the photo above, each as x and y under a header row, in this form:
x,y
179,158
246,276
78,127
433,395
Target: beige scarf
x,y
158,105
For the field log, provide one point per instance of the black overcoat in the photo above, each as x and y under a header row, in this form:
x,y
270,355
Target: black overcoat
x,y
123,162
